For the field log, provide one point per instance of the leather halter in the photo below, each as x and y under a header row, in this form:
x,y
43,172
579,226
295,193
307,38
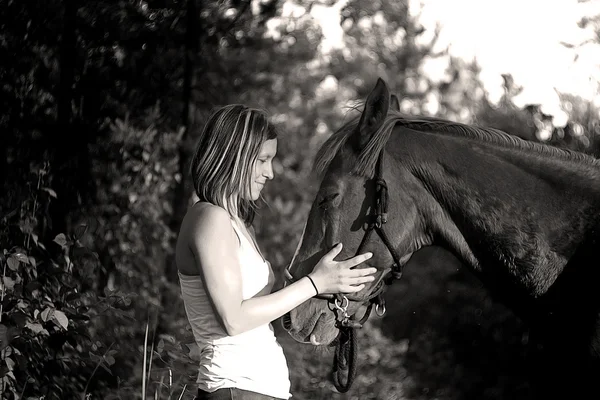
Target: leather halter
x,y
338,302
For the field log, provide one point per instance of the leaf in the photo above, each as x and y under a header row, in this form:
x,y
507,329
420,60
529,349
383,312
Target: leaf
x,y
51,192
80,230
9,363
22,257
61,239
27,225
47,314
13,263
3,336
95,358
193,351
104,367
35,327
35,285
61,318
169,338
71,340
8,283
72,296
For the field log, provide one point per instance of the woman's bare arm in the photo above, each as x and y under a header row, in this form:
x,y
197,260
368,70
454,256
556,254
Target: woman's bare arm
x,y
214,245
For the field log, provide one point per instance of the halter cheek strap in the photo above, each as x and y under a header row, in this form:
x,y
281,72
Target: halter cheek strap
x,y
344,360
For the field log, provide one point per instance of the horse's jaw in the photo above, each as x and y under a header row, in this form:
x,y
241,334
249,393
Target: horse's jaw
x,y
308,326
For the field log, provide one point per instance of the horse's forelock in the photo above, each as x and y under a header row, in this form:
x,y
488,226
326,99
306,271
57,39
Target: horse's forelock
x,y
367,157
332,146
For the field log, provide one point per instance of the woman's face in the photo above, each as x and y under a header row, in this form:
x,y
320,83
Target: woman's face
x,y
263,168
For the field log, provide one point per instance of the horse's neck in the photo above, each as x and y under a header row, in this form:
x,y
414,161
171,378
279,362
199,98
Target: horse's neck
x,y
516,218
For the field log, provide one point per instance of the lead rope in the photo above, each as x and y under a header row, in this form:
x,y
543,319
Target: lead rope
x,y
344,360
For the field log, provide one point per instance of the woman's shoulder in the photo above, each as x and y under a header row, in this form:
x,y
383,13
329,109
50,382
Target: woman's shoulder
x,y
206,232
206,216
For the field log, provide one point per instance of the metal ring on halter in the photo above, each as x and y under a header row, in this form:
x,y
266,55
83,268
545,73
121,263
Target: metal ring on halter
x,y
342,306
380,309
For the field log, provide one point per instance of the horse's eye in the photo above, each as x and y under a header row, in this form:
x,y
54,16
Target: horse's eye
x,y
327,199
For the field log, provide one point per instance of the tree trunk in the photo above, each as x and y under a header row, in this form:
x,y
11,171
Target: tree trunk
x,y
181,192
68,143
63,134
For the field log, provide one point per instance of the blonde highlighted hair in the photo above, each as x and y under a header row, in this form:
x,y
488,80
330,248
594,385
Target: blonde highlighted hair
x,y
228,147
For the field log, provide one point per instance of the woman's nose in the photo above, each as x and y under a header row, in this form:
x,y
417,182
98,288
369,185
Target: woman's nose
x,y
268,172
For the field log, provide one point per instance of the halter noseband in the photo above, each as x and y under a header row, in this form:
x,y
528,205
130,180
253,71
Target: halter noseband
x,y
345,352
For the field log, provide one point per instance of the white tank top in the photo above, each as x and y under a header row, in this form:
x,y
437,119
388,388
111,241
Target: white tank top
x,y
252,360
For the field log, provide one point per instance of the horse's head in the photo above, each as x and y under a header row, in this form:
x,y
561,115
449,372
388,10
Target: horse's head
x,y
346,207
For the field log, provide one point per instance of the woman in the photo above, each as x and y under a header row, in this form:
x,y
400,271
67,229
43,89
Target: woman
x,y
225,280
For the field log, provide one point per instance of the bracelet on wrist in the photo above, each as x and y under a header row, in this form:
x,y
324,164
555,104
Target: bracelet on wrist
x,y
313,283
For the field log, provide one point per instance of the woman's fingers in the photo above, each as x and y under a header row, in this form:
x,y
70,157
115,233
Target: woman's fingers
x,y
335,250
352,289
358,272
356,260
357,280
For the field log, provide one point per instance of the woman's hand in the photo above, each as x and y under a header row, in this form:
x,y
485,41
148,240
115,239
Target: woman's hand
x,y
338,276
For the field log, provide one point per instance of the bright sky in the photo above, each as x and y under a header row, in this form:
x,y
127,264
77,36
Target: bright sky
x,y
521,37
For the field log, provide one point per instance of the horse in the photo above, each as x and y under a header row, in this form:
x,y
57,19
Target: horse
x,y
523,216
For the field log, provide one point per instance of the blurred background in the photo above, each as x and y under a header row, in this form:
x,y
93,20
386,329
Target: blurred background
x,y
102,102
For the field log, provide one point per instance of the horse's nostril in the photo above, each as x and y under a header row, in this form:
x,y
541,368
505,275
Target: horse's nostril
x,y
286,321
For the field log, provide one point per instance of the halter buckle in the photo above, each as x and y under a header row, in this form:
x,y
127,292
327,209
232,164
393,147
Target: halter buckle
x,y
384,217
341,305
350,323
378,221
341,310
380,309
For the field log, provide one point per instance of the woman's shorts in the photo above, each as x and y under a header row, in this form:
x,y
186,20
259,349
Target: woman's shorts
x,y
232,394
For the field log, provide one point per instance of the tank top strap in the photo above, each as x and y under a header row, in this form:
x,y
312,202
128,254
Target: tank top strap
x,y
244,239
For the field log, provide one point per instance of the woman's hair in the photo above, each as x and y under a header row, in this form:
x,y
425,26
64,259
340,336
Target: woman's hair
x,y
228,147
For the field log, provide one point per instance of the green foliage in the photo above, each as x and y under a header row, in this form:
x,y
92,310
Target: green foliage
x,y
140,165
46,315
580,133
55,312
462,94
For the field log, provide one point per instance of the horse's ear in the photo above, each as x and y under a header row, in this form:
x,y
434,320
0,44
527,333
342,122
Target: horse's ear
x,y
394,103
373,115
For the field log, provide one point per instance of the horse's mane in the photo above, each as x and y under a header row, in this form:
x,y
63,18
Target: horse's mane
x,y
365,165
